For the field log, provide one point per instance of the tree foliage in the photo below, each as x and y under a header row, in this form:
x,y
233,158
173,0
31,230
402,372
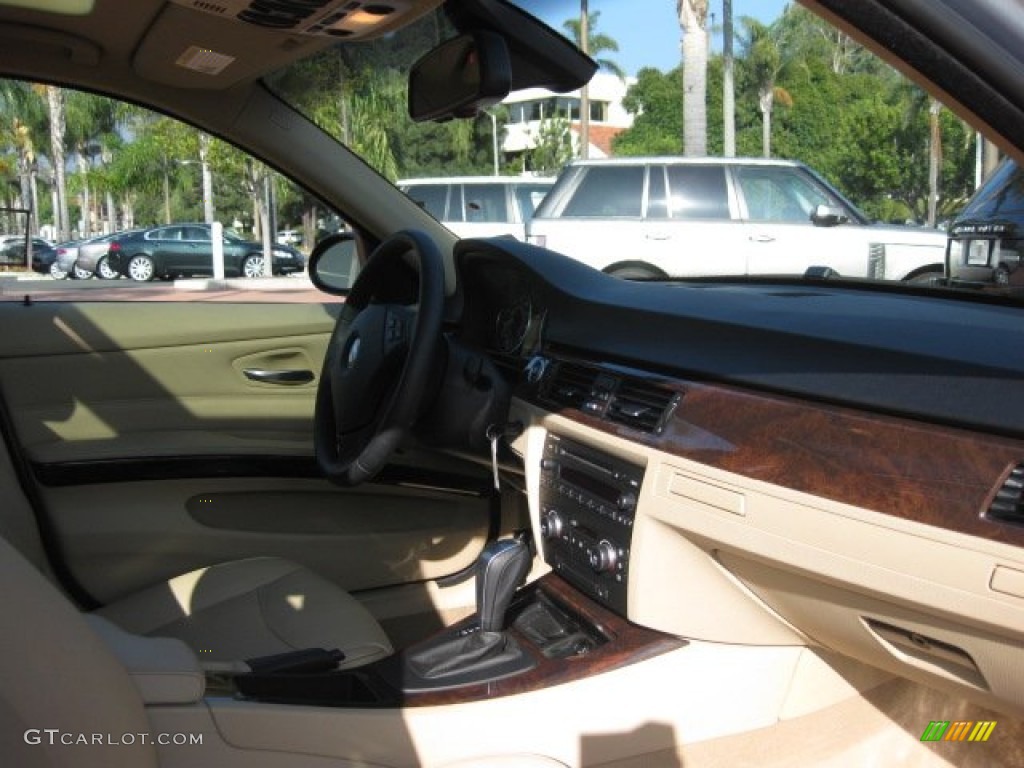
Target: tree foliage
x,y
848,115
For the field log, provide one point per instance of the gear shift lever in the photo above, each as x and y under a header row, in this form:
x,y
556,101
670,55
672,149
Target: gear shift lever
x,y
455,659
500,569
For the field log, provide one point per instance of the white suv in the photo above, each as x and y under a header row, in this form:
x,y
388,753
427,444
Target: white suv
x,y
480,206
658,217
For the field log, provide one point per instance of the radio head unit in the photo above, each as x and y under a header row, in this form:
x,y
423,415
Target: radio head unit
x,y
588,502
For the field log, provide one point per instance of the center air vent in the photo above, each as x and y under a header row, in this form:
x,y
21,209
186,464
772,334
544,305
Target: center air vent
x,y
642,406
1008,504
626,400
570,385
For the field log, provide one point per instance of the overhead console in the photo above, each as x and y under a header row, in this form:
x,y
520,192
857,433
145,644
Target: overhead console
x,y
588,502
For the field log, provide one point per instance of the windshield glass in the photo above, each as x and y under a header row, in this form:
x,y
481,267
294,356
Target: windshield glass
x,y
828,161
789,180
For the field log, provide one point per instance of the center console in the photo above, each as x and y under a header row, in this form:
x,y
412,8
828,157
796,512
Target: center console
x,y
587,508
563,627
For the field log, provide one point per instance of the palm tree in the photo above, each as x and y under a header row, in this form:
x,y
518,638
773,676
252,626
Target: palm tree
x,y
693,17
58,128
21,116
582,32
596,43
91,124
763,59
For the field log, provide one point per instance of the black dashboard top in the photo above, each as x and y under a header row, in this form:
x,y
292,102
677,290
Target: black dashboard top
x,y
938,358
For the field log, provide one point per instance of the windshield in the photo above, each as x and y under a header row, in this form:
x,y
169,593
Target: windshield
x,y
828,162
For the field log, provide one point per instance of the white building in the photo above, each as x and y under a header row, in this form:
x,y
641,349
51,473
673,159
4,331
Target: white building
x,y
528,108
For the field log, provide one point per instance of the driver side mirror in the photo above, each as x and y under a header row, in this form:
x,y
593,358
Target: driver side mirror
x,y
460,77
828,216
334,263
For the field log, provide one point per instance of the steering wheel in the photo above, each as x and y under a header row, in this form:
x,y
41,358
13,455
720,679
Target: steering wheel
x,y
382,360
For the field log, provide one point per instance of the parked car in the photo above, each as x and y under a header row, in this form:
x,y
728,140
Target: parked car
x,y
986,241
179,250
659,217
92,256
767,522
44,259
12,253
480,206
72,259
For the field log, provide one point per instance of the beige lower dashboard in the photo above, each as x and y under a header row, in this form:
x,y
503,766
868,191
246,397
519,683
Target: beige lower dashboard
x,y
718,556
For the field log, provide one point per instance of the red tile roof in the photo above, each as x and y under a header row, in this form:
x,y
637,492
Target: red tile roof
x,y
600,136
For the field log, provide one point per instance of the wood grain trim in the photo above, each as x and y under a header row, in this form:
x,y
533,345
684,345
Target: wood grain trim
x,y
627,644
927,473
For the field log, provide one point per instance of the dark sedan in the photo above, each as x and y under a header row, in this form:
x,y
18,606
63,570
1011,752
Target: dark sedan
x,y
179,250
44,256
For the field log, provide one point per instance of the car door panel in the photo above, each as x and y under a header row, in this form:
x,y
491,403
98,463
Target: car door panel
x,y
121,537
156,454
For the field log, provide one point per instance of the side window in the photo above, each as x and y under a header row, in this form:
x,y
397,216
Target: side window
x,y
486,203
697,192
780,194
195,233
610,191
433,198
529,197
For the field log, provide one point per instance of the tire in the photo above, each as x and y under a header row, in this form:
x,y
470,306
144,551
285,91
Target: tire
x,y
57,273
106,272
925,278
141,268
636,272
1001,275
80,274
252,265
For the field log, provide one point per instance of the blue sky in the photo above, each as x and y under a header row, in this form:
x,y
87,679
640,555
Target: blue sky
x,y
648,30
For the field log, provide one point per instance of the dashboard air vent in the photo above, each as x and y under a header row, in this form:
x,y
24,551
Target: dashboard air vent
x,y
1008,504
642,406
570,385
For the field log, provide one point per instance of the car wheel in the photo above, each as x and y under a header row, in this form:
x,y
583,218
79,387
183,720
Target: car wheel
x,y
1001,276
57,273
141,268
80,274
252,266
106,272
636,272
925,278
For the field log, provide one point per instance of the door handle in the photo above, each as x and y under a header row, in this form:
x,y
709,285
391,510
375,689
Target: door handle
x,y
657,236
762,239
287,378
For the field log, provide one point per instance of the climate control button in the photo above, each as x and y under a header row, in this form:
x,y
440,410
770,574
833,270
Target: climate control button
x,y
602,557
552,526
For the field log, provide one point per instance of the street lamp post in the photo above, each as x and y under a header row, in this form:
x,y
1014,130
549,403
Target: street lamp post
x,y
494,140
204,146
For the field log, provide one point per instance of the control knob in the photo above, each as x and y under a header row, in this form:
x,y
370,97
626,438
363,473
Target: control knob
x,y
627,502
551,525
602,557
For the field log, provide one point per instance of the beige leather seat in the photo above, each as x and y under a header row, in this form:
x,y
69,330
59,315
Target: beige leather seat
x,y
227,612
255,607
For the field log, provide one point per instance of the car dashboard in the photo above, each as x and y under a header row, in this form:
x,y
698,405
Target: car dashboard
x,y
770,464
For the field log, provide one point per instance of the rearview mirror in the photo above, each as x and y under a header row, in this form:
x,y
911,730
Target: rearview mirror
x,y
334,263
460,77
